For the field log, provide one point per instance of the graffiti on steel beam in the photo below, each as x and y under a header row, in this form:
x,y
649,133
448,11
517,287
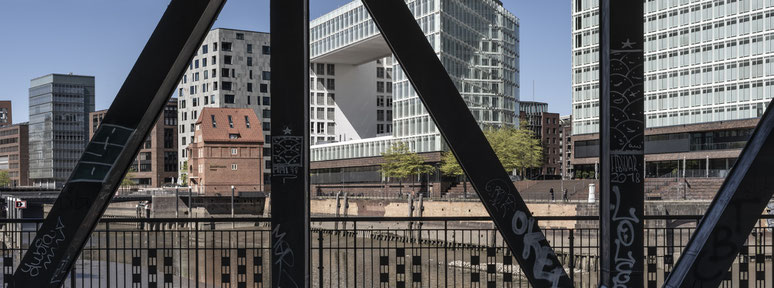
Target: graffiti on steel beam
x,y
287,155
450,113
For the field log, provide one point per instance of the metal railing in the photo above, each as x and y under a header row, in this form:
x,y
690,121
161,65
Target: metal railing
x,y
359,252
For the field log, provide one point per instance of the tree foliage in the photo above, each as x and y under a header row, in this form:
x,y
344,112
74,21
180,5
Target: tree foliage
x,y
400,162
449,165
515,148
127,181
184,174
5,179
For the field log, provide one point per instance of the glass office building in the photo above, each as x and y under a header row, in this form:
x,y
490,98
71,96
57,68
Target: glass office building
x,y
58,127
476,40
706,61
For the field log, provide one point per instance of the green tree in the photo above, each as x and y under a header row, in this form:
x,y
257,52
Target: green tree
x,y
400,163
450,166
184,174
5,179
127,181
517,149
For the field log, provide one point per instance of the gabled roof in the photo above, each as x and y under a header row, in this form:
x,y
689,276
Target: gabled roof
x,y
222,131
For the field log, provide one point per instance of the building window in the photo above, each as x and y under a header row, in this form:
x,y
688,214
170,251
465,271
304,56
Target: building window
x,y
266,75
247,122
266,100
234,136
266,113
380,72
331,69
380,87
240,36
266,126
225,46
320,69
264,88
230,122
249,88
225,86
227,59
214,124
249,48
169,138
170,161
266,50
234,151
249,61
204,49
331,84
233,166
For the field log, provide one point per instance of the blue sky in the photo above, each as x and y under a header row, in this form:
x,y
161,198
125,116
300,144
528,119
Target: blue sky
x,y
104,38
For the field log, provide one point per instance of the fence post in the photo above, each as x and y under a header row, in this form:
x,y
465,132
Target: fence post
x,y
196,236
320,256
72,277
446,253
107,250
572,256
354,229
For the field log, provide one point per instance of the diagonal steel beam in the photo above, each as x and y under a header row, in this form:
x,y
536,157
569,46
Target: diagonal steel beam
x,y
466,140
622,143
732,214
140,101
290,144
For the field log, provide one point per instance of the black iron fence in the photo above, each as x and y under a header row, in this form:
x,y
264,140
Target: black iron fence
x,y
358,252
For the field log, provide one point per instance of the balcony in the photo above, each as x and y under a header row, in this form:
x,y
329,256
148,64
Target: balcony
x,y
362,252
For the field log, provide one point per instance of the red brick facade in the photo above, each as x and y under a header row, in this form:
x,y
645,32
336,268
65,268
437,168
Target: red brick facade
x,y
227,151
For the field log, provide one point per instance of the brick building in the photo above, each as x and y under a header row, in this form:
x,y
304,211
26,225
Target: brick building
x,y
14,143
545,126
156,163
14,155
5,113
227,151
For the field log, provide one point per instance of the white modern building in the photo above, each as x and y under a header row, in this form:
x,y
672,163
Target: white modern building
x,y
369,102
706,61
230,70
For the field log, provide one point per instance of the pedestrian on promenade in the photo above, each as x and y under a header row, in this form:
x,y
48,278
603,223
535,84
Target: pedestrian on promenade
x,y
551,191
564,197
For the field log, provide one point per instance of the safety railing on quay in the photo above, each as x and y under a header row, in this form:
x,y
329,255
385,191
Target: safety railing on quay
x,y
357,252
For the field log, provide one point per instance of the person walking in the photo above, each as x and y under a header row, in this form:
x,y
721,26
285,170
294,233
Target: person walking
x,y
551,191
564,196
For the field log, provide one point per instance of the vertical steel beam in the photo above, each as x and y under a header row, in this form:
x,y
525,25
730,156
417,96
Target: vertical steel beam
x,y
290,143
732,214
108,155
466,140
621,138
